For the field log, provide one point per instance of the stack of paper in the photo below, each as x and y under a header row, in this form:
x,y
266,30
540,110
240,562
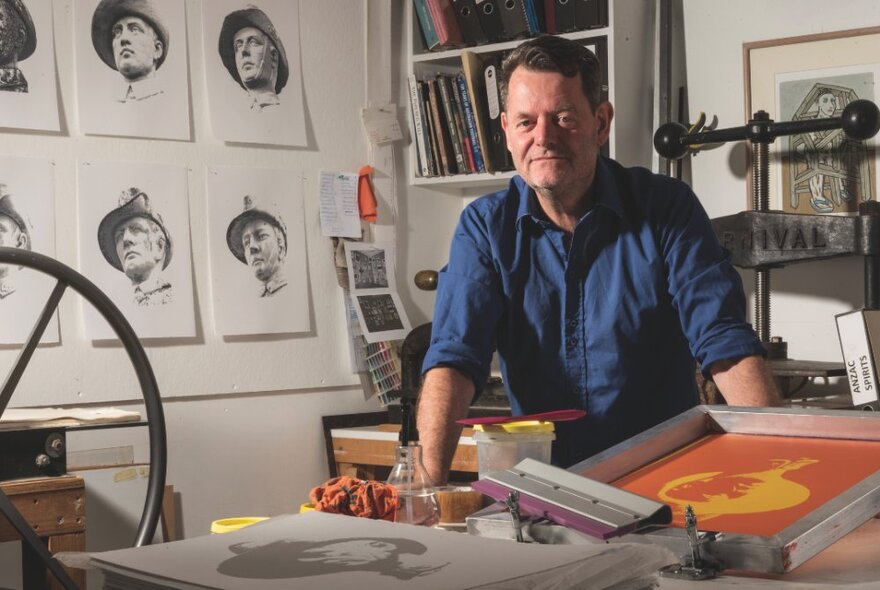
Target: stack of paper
x,y
325,551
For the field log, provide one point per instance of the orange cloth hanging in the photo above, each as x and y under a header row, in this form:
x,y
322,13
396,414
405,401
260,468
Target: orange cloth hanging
x,y
366,196
355,497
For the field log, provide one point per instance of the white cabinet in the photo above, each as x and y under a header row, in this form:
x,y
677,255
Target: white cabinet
x,y
628,43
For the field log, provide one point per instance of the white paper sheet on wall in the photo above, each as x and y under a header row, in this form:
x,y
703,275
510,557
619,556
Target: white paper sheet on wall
x,y
247,111
111,100
374,291
27,220
256,237
340,216
30,99
134,244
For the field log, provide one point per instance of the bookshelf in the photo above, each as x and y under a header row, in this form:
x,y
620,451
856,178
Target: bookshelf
x,y
628,42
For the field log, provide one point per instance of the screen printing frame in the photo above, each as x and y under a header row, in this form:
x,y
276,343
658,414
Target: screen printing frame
x,y
793,545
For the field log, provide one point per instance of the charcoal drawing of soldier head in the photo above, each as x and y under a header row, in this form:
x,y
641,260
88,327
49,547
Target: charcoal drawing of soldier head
x,y
134,239
129,36
257,237
14,233
18,41
252,52
300,559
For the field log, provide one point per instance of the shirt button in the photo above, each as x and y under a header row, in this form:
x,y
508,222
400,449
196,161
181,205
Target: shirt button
x,y
572,323
572,342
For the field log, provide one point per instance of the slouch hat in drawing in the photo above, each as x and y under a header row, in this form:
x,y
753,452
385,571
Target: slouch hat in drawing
x,y
109,12
7,208
251,211
28,34
250,17
133,202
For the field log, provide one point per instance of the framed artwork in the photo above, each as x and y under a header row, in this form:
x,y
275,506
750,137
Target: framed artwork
x,y
770,487
811,77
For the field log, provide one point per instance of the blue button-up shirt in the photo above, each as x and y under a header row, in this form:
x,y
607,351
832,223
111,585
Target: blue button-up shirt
x,y
609,320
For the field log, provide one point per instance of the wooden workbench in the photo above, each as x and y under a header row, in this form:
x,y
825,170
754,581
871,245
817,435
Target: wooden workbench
x,y
56,509
367,452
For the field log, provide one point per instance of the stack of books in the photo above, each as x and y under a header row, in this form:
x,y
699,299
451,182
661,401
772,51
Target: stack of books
x,y
456,120
447,24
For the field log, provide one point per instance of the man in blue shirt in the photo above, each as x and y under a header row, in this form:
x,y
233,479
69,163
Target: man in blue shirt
x,y
599,285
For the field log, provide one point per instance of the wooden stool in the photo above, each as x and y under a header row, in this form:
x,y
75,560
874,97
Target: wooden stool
x,y
56,509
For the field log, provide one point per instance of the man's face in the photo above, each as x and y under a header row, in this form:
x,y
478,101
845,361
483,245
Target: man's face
x,y
350,553
11,236
552,133
256,58
827,104
136,48
140,247
262,250
12,33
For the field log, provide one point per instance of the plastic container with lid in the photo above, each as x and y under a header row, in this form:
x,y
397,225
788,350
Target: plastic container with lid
x,y
501,446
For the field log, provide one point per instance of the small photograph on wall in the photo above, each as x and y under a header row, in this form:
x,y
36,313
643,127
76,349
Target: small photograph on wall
x,y
825,172
134,244
371,277
27,222
253,72
28,95
131,68
257,243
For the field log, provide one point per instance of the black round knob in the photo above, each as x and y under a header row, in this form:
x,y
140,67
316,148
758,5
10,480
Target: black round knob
x,y
426,280
860,119
667,141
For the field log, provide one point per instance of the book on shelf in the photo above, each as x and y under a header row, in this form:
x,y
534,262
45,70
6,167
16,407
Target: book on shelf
x,y
859,333
461,122
472,70
420,128
426,24
470,121
513,19
563,18
489,16
445,23
469,22
447,159
496,139
451,126
533,7
432,132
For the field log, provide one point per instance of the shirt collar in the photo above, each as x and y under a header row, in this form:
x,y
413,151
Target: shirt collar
x,y
604,188
140,90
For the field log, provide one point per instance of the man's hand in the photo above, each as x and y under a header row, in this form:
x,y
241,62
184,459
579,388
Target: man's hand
x,y
745,382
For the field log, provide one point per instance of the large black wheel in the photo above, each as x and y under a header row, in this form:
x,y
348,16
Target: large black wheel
x,y
67,277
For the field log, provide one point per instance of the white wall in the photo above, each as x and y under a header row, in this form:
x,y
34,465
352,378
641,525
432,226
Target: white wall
x,y
805,297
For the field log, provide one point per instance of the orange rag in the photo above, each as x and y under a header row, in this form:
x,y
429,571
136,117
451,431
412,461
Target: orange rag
x,y
356,497
366,196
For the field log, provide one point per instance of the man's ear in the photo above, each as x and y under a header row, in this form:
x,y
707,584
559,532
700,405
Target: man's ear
x,y
604,115
158,50
23,241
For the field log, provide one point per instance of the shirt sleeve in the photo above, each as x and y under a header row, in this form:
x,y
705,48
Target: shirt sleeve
x,y
469,305
705,288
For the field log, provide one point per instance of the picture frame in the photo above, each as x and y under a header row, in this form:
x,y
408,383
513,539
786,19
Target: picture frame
x,y
812,76
814,529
